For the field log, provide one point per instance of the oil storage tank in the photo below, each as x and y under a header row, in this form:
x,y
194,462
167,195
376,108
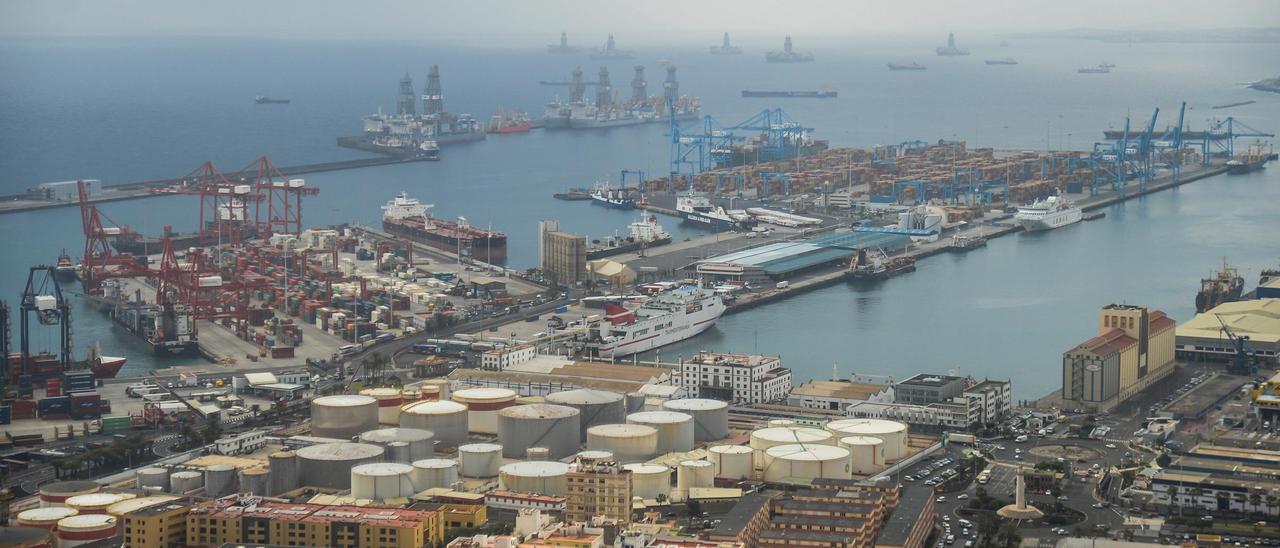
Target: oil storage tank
x,y
220,480
123,507
866,453
893,433
46,517
765,438
282,468
649,480
153,477
675,430
483,405
731,461
344,416
540,477
329,464
86,528
556,427
693,474
627,442
389,402
635,402
433,473
56,493
255,480
447,420
595,407
710,417
186,480
97,503
419,442
381,481
804,463
479,460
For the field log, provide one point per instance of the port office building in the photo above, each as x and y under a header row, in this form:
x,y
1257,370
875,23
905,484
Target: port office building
x,y
761,265
1133,349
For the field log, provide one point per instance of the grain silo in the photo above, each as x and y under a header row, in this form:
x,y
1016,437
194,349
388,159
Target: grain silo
x,y
97,503
539,477
447,420
866,453
329,464
86,528
45,518
153,477
433,473
596,407
220,480
675,430
186,480
344,416
381,481
555,427
804,463
479,460
54,494
627,442
710,417
649,480
389,402
693,474
731,461
282,468
483,405
255,480
420,443
893,433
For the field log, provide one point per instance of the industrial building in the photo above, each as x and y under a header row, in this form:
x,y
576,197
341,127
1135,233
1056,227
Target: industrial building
x,y
247,519
1134,348
563,256
596,487
65,191
838,395
735,377
1203,338
759,266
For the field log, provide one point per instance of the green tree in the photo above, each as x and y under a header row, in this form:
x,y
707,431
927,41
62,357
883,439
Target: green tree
x,y
1163,460
212,430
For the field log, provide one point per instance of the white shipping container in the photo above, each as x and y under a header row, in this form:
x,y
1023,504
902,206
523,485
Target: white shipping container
x,y
46,302
210,281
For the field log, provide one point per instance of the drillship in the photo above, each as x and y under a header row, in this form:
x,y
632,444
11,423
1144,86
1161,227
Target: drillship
x,y
663,319
788,55
1049,213
405,216
725,48
610,52
950,50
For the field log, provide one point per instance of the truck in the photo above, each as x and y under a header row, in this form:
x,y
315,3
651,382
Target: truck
x,y
425,348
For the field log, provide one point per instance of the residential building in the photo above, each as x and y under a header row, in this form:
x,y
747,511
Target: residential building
x,y
563,256
1201,338
833,513
927,388
1134,349
260,520
504,357
995,398
158,526
515,502
596,488
459,516
744,522
735,377
838,395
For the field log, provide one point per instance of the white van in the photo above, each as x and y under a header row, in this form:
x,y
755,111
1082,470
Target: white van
x,y
1020,439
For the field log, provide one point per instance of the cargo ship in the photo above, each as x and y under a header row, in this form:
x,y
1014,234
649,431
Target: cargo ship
x,y
1005,61
514,122
910,66
1047,214
822,94
1100,69
614,198
877,265
788,55
405,216
264,100
136,244
573,195
662,319
45,365
1254,159
610,52
950,50
642,234
64,270
1225,286
169,330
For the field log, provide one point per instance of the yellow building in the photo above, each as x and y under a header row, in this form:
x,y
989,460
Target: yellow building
x,y
597,488
265,521
1134,348
462,516
158,526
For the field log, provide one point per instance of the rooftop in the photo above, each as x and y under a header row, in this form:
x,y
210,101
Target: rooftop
x,y
914,501
1109,342
929,379
1258,319
733,360
741,514
838,389
784,257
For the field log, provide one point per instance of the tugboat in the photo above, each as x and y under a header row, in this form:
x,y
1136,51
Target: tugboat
x,y
877,265
1224,287
64,270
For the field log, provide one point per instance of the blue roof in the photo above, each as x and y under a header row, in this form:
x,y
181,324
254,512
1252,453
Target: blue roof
x,y
782,258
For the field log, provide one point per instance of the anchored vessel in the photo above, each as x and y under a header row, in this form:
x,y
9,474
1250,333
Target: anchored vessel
x,y
663,319
405,216
724,48
264,100
563,46
1225,286
1004,61
950,50
1100,69
910,66
788,55
610,52
1049,213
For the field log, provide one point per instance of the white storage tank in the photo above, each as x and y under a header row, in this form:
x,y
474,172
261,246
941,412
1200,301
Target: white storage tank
x,y
693,474
447,420
434,389
596,455
220,480
710,417
282,468
479,460
765,438
866,453
804,463
595,407
46,517
675,430
97,503
627,442
893,433
537,453
153,477
433,473
329,464
540,477
56,493
389,402
781,422
649,480
256,480
381,481
731,461
420,443
555,427
483,405
85,528
343,416
187,480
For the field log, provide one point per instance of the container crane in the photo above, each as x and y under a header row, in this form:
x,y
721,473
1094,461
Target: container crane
x,y
1171,142
1242,361
100,261
703,150
43,297
1223,135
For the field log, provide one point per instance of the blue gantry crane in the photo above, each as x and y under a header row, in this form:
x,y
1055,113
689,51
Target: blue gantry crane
x,y
695,150
1169,145
1220,138
782,135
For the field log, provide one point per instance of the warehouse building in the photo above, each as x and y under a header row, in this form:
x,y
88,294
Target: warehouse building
x,y
1202,338
831,513
838,395
762,265
735,377
65,191
1134,348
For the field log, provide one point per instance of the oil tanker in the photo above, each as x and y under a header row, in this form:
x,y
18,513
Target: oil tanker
x,y
407,217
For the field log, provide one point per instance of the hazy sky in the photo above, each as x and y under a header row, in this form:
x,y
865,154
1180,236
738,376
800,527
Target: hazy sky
x,y
665,19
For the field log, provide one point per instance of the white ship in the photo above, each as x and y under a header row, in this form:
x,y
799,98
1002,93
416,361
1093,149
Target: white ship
x,y
699,210
663,319
1047,214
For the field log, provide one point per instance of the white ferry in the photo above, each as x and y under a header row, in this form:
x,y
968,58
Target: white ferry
x,y
1047,214
663,319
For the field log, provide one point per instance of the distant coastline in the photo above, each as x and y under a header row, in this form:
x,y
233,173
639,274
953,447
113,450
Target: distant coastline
x,y
1270,35
1272,85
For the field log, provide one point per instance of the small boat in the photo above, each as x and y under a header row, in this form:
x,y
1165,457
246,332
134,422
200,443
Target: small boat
x,y
64,270
264,100
514,122
966,243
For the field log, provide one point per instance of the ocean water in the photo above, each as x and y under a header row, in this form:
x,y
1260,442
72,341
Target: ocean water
x,y
131,109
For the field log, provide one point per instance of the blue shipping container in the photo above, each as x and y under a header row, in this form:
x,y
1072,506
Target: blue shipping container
x,y
5,415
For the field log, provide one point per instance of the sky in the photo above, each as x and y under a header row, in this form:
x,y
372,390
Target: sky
x,y
643,20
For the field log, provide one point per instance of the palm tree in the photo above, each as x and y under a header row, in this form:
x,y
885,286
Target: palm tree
x,y
1254,499
1173,498
1273,503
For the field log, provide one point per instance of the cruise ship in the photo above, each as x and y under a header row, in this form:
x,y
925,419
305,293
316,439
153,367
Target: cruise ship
x,y
407,217
1047,214
663,319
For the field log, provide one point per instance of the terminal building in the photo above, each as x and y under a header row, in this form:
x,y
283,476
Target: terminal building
x,y
1134,349
1202,338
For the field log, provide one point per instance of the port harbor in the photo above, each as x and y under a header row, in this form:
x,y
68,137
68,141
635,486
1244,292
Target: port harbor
x,y
650,312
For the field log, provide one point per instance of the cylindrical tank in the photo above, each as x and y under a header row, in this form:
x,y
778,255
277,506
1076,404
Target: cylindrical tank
x,y
45,518
83,529
649,480
595,406
420,443
153,477
283,472
731,461
866,453
804,463
483,405
675,430
555,427
220,480
765,438
710,417
693,474
893,433
597,455
54,494
255,480
627,442
97,503
435,389
27,537
540,477
537,453
397,451
186,480
389,402
781,422
479,460
125,506
433,473
344,416
381,481
447,420
329,464
635,402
